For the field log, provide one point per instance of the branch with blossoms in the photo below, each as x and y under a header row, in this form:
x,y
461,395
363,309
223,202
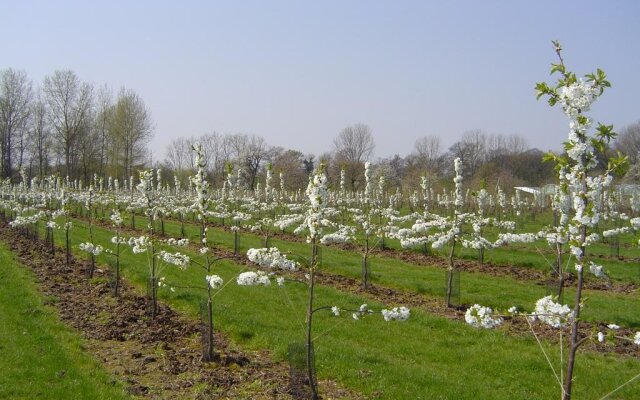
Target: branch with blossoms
x,y
395,314
575,96
549,312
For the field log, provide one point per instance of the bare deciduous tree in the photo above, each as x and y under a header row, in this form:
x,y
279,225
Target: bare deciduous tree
x,y
69,104
39,138
103,116
471,149
177,156
353,146
500,145
355,143
130,130
429,152
15,109
249,152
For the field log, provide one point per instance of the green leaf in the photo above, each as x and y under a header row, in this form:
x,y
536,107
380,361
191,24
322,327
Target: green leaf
x,y
542,88
582,120
605,132
550,156
597,144
557,68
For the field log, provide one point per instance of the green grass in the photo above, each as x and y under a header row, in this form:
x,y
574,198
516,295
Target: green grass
x,y
495,292
426,357
40,358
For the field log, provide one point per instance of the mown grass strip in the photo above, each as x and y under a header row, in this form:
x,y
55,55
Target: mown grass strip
x,y
41,358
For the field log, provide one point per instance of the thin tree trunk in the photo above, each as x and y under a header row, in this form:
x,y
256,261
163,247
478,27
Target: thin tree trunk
x,y
450,273
574,340
309,339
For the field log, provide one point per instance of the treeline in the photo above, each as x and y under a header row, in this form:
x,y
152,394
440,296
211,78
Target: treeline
x,y
490,159
70,127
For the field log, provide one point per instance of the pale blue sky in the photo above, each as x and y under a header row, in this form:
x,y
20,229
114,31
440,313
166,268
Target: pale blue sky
x,y
297,72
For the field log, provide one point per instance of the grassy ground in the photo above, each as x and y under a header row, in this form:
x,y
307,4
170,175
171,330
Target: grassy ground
x,y
40,358
427,357
496,292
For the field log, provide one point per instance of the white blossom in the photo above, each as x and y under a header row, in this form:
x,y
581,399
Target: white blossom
x,y
552,313
91,248
271,258
139,244
596,269
214,281
251,278
178,259
116,218
482,317
397,313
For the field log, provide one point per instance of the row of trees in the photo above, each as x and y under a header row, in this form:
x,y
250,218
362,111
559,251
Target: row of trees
x,y
248,153
492,158
68,126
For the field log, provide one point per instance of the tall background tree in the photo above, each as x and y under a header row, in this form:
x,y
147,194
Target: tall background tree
x,y
353,146
69,104
39,139
130,130
15,110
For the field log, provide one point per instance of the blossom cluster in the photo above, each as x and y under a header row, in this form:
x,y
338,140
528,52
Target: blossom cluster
x,y
457,180
396,313
214,281
178,242
139,244
317,194
178,259
552,313
91,248
22,220
271,258
344,234
162,283
482,317
362,311
116,218
251,278
200,183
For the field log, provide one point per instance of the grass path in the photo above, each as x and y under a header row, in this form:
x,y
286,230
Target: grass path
x,y
40,358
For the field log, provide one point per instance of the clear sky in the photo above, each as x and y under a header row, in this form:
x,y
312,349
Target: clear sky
x,y
297,72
